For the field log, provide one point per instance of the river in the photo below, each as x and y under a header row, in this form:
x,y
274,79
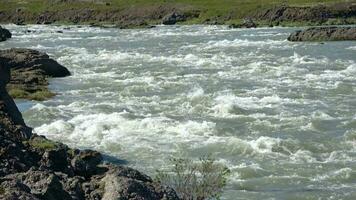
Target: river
x,y
280,115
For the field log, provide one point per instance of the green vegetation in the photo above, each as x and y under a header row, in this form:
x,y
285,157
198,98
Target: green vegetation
x,y
195,180
232,11
42,143
40,95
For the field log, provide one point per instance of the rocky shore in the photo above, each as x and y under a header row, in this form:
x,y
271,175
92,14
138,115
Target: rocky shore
x,y
324,34
33,167
30,70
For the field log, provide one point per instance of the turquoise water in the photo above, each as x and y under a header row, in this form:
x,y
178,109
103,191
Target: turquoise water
x,y
280,115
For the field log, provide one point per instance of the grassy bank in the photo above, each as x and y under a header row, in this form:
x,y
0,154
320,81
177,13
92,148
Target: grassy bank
x,y
227,11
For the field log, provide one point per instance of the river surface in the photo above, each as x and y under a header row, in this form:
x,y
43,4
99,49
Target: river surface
x,y
280,115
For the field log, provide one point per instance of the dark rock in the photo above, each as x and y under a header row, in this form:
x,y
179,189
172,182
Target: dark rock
x,y
324,34
32,59
173,18
74,187
247,23
10,116
85,163
15,190
4,34
43,184
55,159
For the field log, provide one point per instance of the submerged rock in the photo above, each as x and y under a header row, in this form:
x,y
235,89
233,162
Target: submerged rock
x,y
324,34
4,34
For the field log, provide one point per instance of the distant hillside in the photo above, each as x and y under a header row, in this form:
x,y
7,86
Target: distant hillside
x,y
132,13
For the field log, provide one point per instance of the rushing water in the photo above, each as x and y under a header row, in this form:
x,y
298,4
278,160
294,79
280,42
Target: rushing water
x,y
280,115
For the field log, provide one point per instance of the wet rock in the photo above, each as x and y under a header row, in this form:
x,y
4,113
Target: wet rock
x,y
324,34
4,34
173,18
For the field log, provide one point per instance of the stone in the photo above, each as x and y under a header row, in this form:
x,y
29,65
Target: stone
x,y
4,34
324,34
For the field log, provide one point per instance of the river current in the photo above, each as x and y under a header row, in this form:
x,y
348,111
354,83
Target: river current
x,y
280,115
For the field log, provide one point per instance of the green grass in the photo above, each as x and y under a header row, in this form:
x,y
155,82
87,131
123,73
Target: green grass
x,y
236,8
42,143
40,95
221,11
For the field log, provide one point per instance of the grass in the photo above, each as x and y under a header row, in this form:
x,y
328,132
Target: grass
x,y
235,9
39,95
42,143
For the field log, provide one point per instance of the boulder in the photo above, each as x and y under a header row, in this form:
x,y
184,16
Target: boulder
x,y
4,34
14,189
43,184
247,23
86,163
28,59
119,184
324,34
173,18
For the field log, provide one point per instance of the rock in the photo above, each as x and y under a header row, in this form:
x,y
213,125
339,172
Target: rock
x,y
173,18
14,189
30,70
86,162
4,34
10,116
324,34
119,185
43,184
27,59
247,23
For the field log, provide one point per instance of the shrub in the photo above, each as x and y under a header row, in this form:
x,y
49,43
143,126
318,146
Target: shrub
x,y
201,180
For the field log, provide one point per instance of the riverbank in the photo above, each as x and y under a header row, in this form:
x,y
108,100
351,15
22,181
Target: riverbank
x,y
33,167
147,13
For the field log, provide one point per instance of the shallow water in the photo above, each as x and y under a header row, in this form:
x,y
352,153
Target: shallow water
x,y
280,115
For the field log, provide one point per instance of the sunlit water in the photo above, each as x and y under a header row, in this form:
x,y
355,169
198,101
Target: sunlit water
x,y
280,115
